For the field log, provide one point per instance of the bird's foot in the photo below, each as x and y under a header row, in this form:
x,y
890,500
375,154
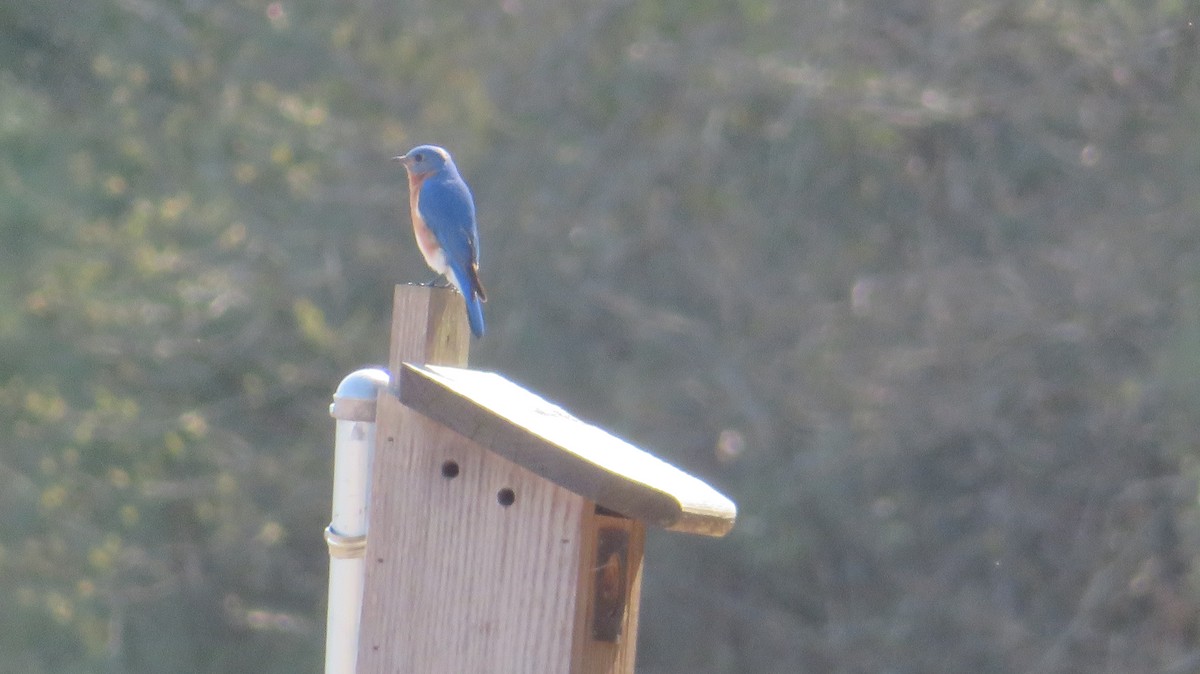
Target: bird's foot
x,y
433,282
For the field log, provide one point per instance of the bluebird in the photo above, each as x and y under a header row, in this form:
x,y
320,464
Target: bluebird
x,y
443,218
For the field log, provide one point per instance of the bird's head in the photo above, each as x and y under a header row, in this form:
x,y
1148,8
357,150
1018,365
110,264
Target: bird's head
x,y
424,159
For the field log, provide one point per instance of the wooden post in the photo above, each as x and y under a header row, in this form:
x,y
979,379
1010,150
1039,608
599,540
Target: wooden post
x,y
428,326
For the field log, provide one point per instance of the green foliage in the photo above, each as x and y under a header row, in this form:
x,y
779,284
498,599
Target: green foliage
x,y
914,282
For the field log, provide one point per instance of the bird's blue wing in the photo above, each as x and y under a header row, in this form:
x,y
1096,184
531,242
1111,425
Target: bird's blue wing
x,y
446,206
449,211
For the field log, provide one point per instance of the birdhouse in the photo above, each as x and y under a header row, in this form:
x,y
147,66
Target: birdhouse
x,y
506,535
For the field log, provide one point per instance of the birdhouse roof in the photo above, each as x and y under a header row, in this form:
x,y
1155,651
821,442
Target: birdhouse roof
x,y
542,437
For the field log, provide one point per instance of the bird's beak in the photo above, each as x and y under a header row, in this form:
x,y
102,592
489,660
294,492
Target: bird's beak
x,y
403,159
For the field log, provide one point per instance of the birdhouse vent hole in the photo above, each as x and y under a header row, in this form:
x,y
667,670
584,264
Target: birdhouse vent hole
x,y
450,470
506,497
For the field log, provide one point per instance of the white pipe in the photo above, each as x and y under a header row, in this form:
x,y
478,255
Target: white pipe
x,y
354,447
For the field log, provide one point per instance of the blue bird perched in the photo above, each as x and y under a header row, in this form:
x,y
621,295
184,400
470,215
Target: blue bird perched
x,y
443,218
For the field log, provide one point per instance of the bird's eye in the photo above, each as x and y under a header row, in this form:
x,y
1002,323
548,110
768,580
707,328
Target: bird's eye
x,y
418,157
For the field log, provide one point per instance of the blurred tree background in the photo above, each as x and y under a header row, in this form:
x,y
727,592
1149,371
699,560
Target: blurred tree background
x,y
917,283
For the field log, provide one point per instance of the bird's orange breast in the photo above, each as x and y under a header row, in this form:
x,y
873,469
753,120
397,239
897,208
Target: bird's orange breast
x,y
430,249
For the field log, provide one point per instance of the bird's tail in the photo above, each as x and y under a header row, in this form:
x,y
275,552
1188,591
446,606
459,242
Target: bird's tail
x,y
474,312
472,290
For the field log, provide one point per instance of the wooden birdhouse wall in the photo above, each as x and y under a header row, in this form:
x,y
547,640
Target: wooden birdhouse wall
x,y
610,591
495,569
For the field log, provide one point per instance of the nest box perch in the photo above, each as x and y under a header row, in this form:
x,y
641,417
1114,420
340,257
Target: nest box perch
x,y
505,534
